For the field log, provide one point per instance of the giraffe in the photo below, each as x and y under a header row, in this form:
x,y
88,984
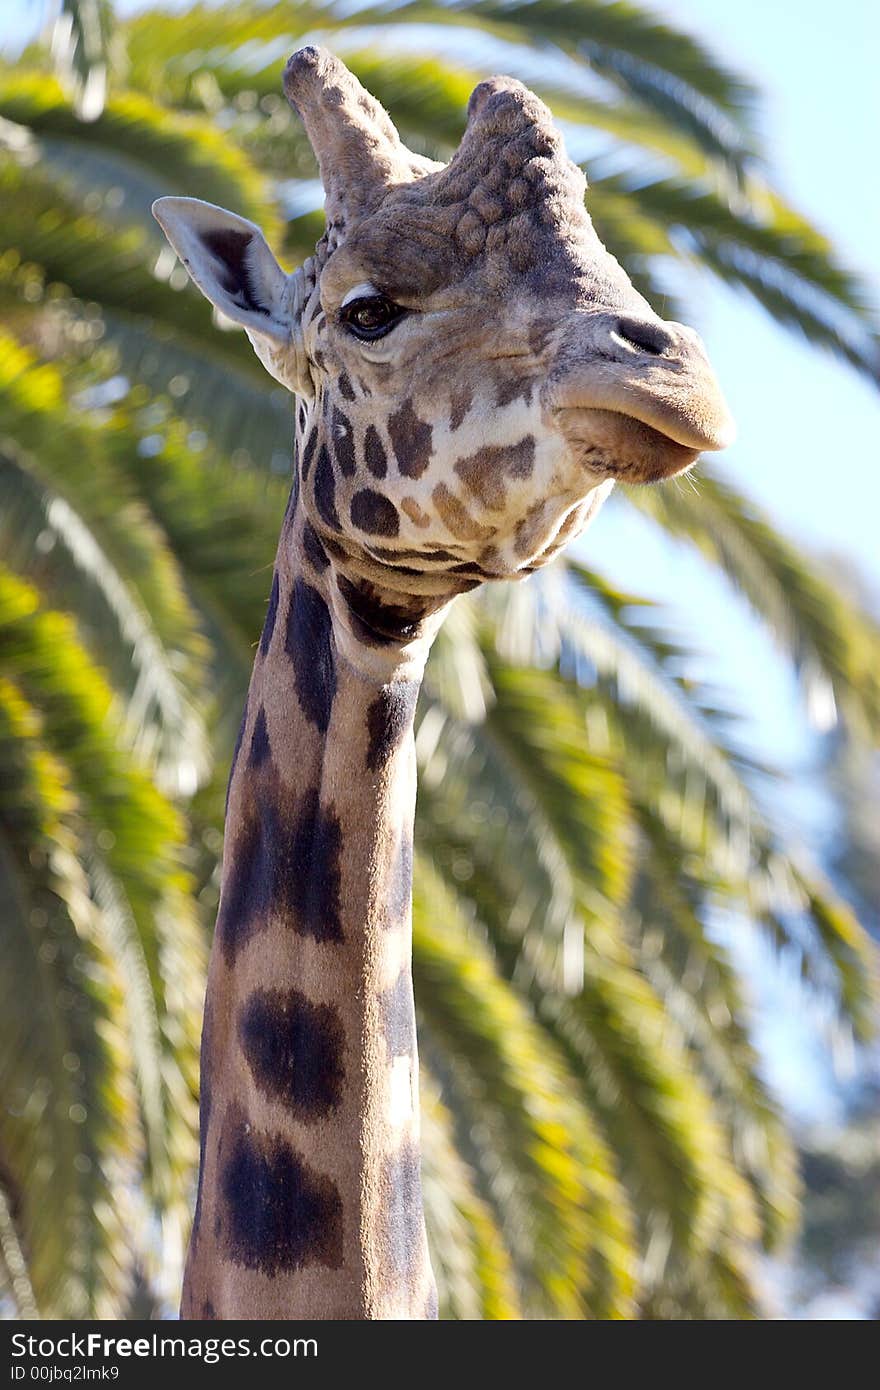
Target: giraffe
x,y
472,373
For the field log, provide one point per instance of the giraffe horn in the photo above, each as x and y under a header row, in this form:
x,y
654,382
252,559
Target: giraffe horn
x,y
509,128
357,146
508,104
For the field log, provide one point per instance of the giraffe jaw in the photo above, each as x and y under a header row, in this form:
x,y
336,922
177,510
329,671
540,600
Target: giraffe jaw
x,y
615,445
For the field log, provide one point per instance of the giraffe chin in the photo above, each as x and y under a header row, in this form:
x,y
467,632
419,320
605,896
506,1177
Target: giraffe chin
x,y
618,446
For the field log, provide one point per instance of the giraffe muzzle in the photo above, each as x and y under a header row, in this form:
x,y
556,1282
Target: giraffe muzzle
x,y
652,374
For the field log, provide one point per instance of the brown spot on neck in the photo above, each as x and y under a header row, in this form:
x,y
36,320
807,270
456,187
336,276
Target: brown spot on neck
x,y
411,440
415,513
459,406
456,516
484,472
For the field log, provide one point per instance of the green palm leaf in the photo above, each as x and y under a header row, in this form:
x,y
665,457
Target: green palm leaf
x,y
765,248
181,152
832,645
125,897
565,1199
474,1267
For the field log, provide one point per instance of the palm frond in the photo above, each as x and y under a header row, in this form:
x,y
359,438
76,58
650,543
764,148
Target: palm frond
x,y
45,540
81,49
69,1130
79,541
567,1196
189,154
133,887
473,1268
833,646
119,268
761,245
663,69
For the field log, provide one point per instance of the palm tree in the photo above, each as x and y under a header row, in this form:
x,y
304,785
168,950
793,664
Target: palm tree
x,y
599,1141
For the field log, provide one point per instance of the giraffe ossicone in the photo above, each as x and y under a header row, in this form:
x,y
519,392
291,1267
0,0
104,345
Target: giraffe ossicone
x,y
473,371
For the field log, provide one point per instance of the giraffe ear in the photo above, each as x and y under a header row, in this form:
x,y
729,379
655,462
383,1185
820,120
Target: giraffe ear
x,y
228,258
358,149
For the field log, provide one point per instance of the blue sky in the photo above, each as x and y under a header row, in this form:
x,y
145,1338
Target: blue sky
x,y
808,426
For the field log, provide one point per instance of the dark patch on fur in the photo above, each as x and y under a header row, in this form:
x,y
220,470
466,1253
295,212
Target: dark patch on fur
x,y
346,390
403,569
206,1058
459,406
382,552
313,879
309,644
247,882
294,1049
309,452
293,495
333,548
456,516
260,747
343,443
235,752
379,623
509,391
398,1017
388,718
399,896
208,1314
437,554
282,862
411,440
374,453
314,550
271,615
373,513
282,1216
325,489
402,1218
484,472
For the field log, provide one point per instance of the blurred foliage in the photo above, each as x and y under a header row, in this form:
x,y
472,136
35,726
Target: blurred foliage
x,y
837,1252
598,1137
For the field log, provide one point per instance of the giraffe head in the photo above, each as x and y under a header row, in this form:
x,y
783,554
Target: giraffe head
x,y
474,369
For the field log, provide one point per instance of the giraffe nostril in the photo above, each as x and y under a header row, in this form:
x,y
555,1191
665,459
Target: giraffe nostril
x,y
653,338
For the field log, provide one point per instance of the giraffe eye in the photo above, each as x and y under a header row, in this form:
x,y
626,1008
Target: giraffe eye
x,y
371,316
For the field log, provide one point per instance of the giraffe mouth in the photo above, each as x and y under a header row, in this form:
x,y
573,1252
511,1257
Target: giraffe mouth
x,y
646,403
621,446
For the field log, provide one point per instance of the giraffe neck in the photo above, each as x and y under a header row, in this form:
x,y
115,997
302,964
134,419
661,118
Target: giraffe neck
x,y
309,1200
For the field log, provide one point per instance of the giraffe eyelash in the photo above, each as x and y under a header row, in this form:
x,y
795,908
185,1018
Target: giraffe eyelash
x,y
365,290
